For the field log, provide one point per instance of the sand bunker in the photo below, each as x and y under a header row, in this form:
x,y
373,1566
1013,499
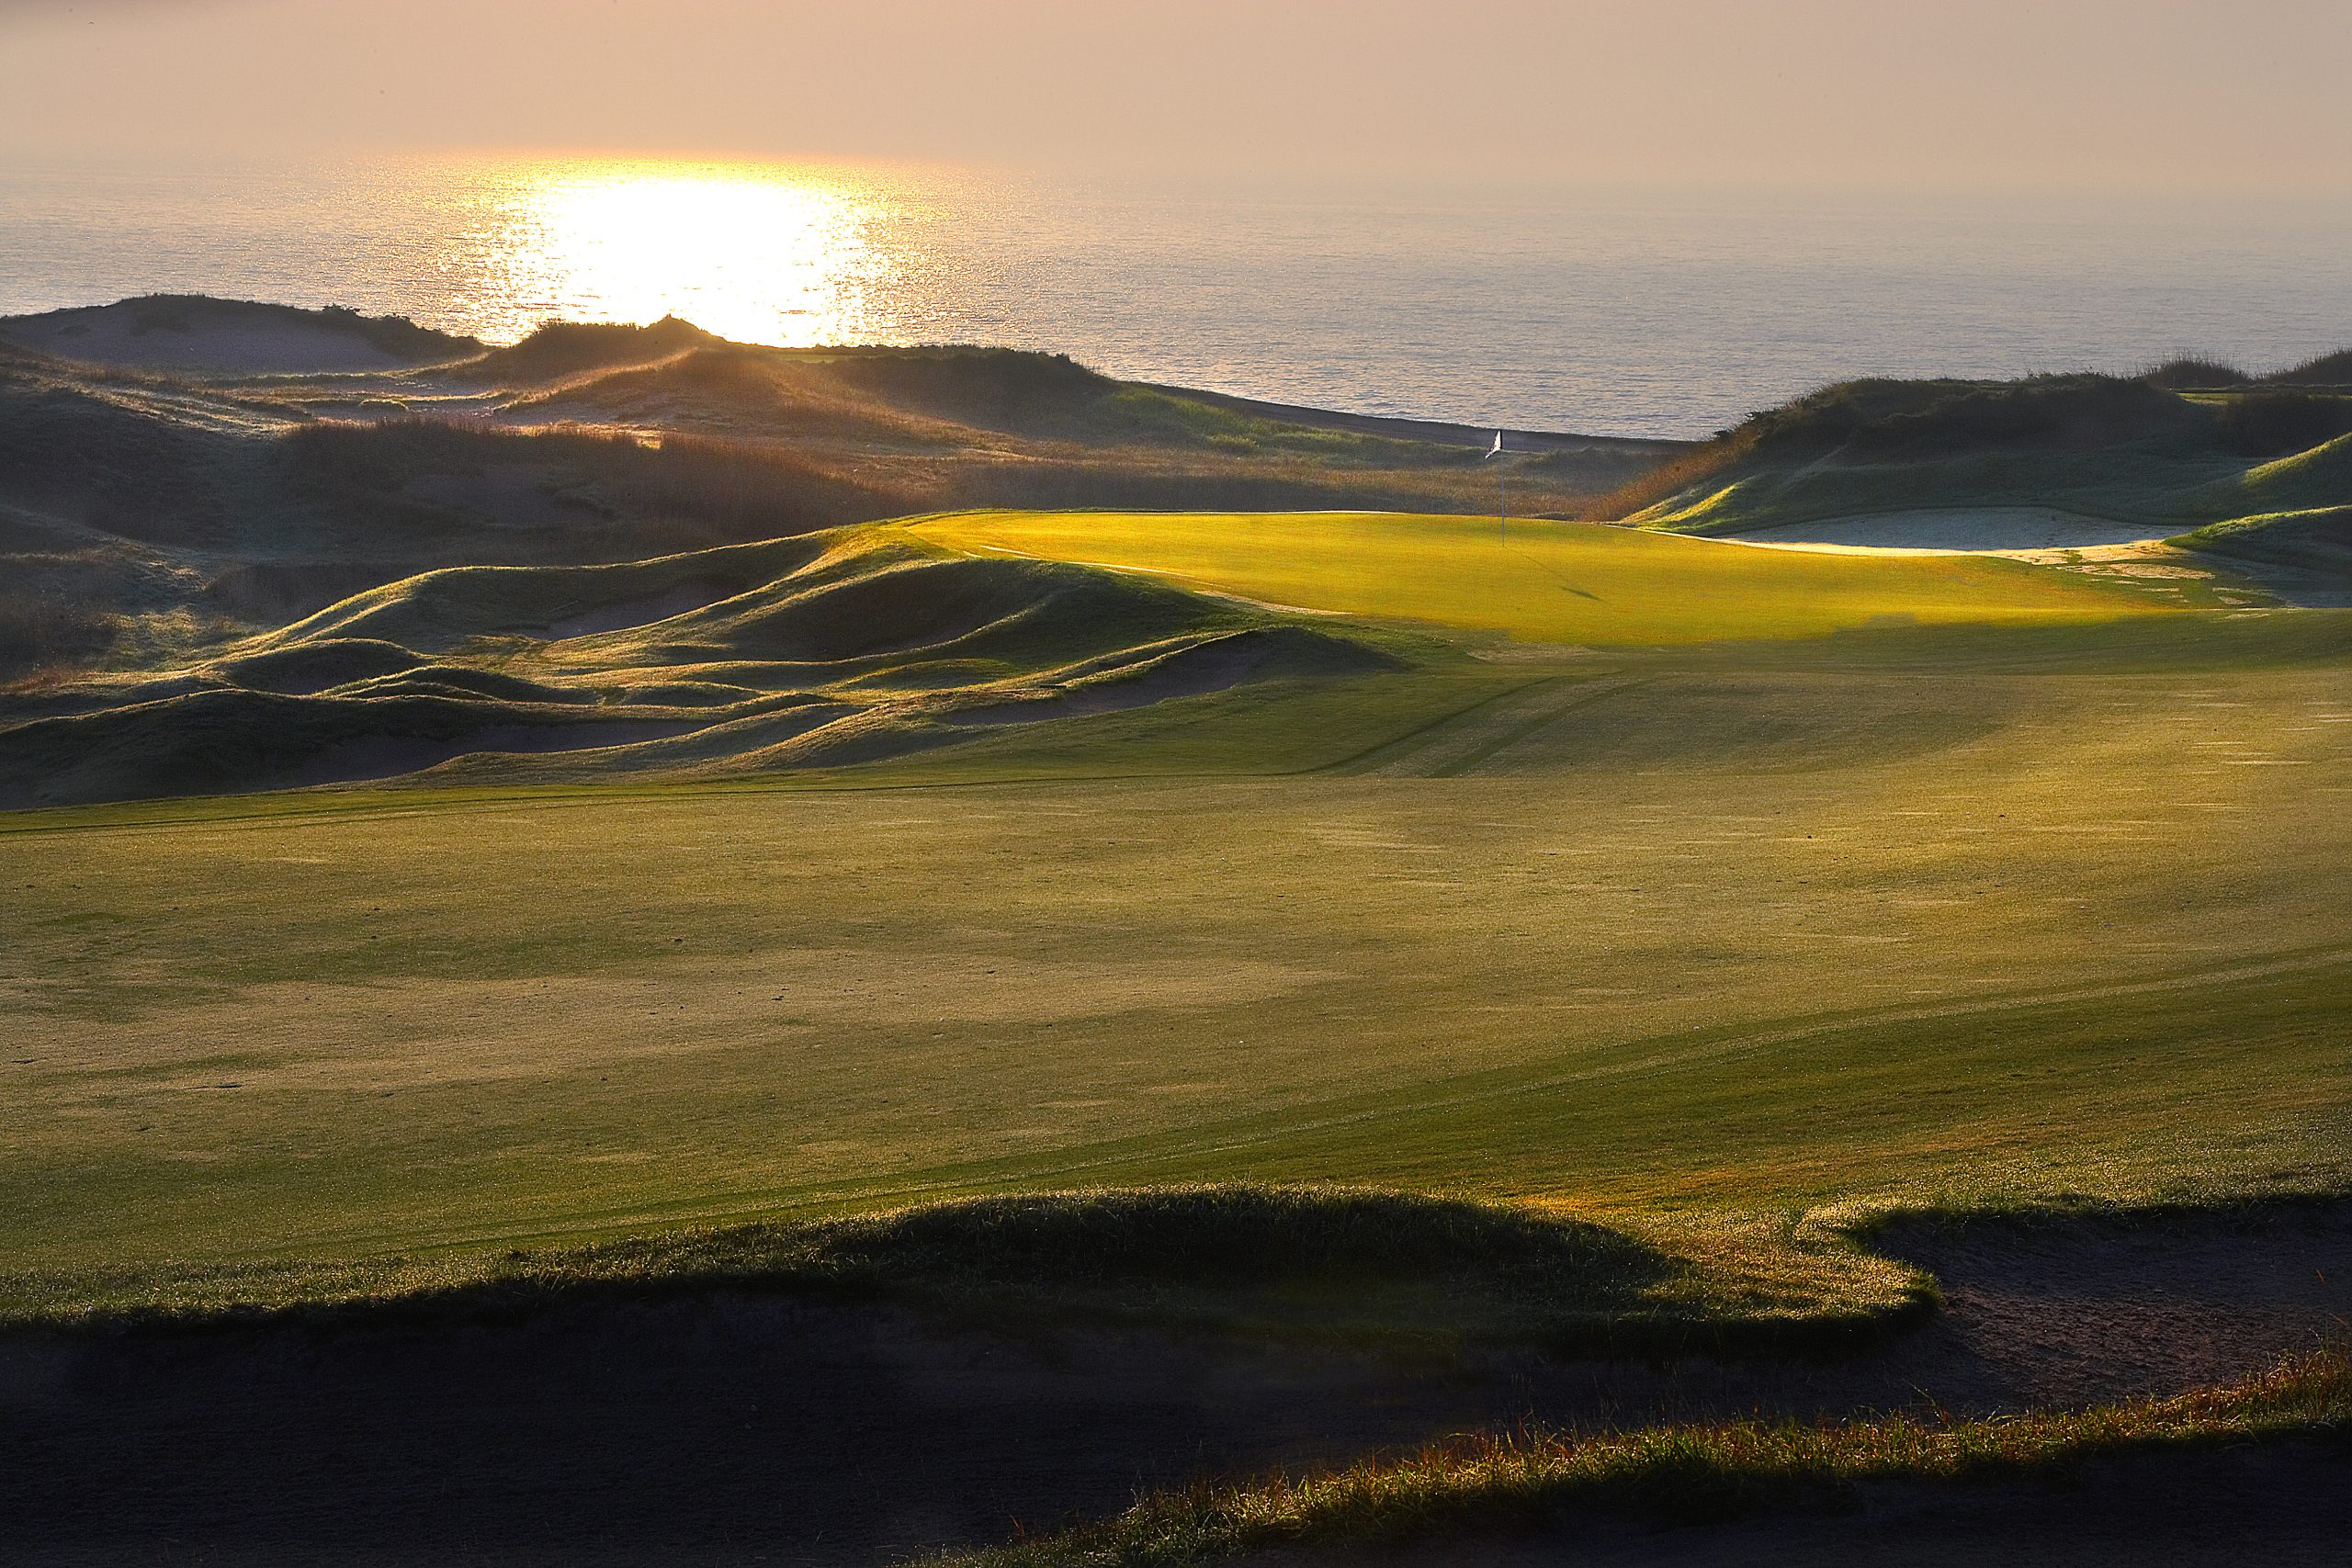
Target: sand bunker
x,y
1957,528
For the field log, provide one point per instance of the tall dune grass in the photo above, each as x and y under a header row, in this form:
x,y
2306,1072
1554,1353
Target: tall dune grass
x,y
1686,1474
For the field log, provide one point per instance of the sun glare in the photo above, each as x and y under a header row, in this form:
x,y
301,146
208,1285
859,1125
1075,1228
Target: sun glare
x,y
759,254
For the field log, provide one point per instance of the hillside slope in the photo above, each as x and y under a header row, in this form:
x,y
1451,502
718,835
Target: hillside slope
x,y
834,647
193,332
2110,453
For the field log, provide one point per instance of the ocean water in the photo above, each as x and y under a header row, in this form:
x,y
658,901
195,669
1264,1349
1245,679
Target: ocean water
x,y
1617,313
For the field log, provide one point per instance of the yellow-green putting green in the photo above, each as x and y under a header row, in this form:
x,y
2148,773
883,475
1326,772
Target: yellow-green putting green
x,y
1549,582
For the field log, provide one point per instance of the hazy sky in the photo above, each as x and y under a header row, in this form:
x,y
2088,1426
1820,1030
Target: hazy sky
x,y
2140,94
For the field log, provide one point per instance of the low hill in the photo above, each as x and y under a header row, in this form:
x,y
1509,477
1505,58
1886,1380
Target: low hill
x,y
2328,371
2309,552
2122,457
569,348
194,331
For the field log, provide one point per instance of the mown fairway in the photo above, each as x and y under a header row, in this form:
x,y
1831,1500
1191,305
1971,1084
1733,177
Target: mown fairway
x,y
1562,582
1933,913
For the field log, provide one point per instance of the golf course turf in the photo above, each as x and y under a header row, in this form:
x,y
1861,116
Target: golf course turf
x,y
1333,928
1544,581
1909,913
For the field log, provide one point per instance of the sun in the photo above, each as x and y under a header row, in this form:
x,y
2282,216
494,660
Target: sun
x,y
756,253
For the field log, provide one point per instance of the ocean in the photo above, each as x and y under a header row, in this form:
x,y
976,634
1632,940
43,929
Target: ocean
x,y
1625,314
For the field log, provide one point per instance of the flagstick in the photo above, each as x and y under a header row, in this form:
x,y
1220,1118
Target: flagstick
x,y
1502,491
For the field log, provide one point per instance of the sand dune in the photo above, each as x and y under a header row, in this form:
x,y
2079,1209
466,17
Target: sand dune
x,y
227,336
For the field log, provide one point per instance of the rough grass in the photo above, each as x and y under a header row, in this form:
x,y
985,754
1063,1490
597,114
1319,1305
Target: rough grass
x,y
2324,370
1683,1474
45,636
2192,372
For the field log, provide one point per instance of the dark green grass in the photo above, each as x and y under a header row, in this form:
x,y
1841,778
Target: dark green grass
x,y
1537,1482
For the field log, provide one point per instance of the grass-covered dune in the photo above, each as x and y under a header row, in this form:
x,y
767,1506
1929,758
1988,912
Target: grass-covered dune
x,y
814,652
2166,453
193,332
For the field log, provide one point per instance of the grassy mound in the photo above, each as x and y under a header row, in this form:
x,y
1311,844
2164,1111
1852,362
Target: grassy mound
x,y
568,348
2318,541
2326,370
808,652
196,332
2321,477
2164,450
1333,1264
434,612
289,463
99,462
1935,419
229,740
2194,373
1341,1264
302,669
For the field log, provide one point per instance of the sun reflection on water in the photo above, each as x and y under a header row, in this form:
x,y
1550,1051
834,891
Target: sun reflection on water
x,y
757,252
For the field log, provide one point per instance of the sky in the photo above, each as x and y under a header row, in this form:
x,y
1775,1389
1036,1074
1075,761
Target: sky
x,y
2060,95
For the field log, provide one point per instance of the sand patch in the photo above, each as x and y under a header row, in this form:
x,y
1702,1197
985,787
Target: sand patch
x,y
1962,530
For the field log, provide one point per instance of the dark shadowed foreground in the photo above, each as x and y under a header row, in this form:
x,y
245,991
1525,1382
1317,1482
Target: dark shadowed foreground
x,y
743,1429
2283,1506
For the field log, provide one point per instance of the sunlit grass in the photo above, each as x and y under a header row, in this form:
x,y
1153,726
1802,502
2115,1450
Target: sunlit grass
x,y
1554,583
